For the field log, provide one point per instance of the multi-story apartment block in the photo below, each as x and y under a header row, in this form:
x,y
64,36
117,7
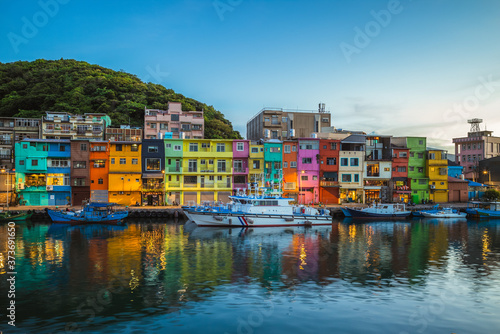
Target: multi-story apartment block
x,y
153,172
281,124
241,149
174,123
12,130
273,160
63,125
43,171
400,184
478,145
437,172
377,169
329,171
207,170
99,171
308,161
352,156
290,181
123,133
173,170
125,171
80,171
256,165
417,173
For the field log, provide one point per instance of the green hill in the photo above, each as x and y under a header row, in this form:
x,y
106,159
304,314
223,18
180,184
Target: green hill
x,y
30,88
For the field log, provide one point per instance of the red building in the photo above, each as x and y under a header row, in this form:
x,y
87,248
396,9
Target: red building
x,y
458,190
290,186
401,191
329,171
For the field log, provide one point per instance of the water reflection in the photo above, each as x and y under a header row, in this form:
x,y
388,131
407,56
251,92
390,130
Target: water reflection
x,y
80,277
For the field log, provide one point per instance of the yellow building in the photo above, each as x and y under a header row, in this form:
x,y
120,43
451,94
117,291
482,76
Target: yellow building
x,y
437,172
206,170
256,165
125,173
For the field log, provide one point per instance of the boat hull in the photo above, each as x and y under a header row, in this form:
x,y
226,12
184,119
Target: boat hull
x,y
207,219
488,213
444,215
348,212
19,217
68,218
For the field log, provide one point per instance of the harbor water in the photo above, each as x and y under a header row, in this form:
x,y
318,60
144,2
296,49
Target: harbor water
x,y
412,276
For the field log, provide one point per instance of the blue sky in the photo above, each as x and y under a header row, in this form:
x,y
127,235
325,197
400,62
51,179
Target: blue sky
x,y
394,67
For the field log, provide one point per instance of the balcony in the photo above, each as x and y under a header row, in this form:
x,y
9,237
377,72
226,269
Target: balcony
x,y
5,142
153,187
207,185
329,183
240,170
173,184
5,156
173,169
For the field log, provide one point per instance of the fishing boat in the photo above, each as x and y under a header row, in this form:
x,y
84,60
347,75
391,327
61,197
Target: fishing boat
x,y
257,211
95,213
420,213
383,210
483,209
445,213
15,216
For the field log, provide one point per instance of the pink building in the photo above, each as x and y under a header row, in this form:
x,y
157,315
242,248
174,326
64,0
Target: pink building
x,y
308,161
173,123
241,152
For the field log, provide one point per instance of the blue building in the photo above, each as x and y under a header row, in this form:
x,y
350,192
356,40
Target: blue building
x,y
153,172
58,172
454,169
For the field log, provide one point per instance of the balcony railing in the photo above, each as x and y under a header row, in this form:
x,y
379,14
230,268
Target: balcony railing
x,y
241,170
329,183
5,142
152,187
173,169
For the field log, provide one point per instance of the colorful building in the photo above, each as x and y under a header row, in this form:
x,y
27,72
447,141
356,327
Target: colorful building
x,y
351,156
80,171
207,170
437,172
58,172
31,171
241,149
290,181
99,171
256,164
273,159
125,169
173,170
63,125
153,172
377,171
174,123
329,171
400,184
308,170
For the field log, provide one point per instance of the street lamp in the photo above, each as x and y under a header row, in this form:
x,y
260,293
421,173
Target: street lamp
x,y
8,185
489,176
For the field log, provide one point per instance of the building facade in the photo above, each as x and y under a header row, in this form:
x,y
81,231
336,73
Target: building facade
x,y
123,133
328,171
174,123
308,161
80,171
437,172
12,130
290,176
281,124
351,156
63,125
153,172
173,170
400,183
273,162
99,171
241,149
377,171
125,172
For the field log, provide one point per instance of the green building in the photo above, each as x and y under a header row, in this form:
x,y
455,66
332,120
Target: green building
x,y
273,162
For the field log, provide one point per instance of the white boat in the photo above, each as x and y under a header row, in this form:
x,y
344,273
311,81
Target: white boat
x,y
387,211
445,213
257,211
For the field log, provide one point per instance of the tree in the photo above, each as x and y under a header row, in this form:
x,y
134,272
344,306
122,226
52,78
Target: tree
x,y
491,195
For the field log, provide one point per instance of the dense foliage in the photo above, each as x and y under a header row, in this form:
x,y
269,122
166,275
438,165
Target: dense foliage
x,y
491,195
29,89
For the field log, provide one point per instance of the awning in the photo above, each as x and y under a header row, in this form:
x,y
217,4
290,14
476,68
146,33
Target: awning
x,y
152,175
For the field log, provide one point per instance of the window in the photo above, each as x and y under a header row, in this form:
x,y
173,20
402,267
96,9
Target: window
x,y
403,154
186,127
153,164
420,155
422,181
79,182
354,161
285,164
256,164
221,166
119,147
411,168
275,149
255,150
479,146
177,147
420,142
356,177
211,178
240,147
134,148
123,161
277,165
219,177
284,119
153,149
387,169
412,154
59,163
174,117
135,161
152,125
432,156
21,162
210,161
306,160
315,177
83,147
167,146
333,146
346,177
25,146
112,161
267,119
193,147
190,179
192,166
287,149
293,164
344,161
402,169
420,169
203,162
80,164
304,177
294,148
221,147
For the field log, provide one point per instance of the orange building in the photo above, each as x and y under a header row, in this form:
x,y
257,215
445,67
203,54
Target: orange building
x,y
290,188
99,170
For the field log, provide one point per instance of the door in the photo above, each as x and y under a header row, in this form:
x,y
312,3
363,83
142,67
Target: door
x,y
33,199
60,198
202,181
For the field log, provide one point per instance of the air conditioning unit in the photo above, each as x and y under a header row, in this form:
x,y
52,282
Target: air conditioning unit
x,y
50,188
432,187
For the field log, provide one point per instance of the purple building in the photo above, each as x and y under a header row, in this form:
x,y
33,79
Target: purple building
x,y
241,151
308,160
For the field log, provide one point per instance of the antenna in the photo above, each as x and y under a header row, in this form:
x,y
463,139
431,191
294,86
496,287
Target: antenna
x,y
474,124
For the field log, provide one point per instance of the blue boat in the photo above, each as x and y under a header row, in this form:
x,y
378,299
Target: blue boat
x,y
94,213
483,209
420,213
